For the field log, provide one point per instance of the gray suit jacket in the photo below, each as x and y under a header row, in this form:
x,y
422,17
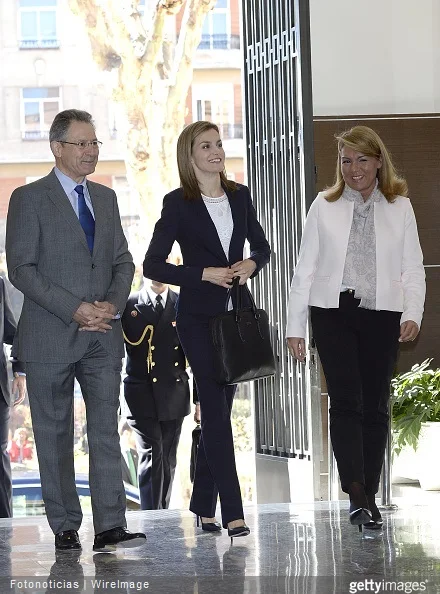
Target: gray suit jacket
x,y
50,262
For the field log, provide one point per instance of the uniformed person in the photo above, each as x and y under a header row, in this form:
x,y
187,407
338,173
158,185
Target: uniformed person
x,y
156,389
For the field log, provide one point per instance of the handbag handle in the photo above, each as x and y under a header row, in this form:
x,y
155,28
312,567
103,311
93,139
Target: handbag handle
x,y
234,293
238,290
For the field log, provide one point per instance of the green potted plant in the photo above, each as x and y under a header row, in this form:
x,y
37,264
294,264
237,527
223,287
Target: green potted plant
x,y
415,419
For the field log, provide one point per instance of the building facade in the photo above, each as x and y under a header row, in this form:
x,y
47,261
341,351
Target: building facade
x,y
47,66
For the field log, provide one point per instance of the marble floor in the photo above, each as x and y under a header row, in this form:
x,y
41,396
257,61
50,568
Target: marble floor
x,y
294,548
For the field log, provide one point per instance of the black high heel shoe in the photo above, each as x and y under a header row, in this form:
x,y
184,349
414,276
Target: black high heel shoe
x,y
359,514
238,531
360,517
376,522
209,526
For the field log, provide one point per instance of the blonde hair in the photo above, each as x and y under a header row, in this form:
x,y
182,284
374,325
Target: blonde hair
x,y
366,141
185,144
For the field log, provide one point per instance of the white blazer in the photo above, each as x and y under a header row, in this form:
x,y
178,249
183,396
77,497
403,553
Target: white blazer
x,y
400,282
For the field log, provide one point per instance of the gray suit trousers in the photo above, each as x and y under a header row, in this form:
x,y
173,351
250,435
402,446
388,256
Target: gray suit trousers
x,y
50,387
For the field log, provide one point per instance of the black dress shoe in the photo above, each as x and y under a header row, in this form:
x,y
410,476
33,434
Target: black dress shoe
x,y
209,526
359,517
118,537
376,522
359,511
238,531
67,540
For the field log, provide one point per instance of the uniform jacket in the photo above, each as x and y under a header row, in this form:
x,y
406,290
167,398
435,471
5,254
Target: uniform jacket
x,y
400,282
156,385
188,222
50,262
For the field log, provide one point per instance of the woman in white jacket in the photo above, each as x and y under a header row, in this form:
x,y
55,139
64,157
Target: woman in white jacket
x,y
360,270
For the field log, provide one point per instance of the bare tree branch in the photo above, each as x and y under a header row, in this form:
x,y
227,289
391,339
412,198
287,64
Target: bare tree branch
x,y
154,75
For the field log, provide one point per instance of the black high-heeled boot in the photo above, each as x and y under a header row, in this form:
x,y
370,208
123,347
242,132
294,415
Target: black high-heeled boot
x,y
359,512
209,526
376,521
238,531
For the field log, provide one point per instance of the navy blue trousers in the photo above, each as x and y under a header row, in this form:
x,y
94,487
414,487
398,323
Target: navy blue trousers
x,y
216,472
156,443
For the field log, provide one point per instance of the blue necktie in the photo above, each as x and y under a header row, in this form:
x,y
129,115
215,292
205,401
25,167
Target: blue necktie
x,y
85,217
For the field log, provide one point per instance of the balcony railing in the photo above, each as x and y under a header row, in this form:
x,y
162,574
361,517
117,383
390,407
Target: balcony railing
x,y
231,131
220,41
39,43
35,134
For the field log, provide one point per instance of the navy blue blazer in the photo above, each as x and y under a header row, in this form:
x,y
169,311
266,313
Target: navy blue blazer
x,y
188,222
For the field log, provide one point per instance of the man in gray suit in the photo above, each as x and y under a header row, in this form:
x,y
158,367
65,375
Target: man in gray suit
x,y
67,253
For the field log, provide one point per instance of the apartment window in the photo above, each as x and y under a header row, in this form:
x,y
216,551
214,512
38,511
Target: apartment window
x,y
39,107
215,110
215,103
216,29
38,24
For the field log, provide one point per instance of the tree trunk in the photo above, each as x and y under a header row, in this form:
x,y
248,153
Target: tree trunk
x,y
154,76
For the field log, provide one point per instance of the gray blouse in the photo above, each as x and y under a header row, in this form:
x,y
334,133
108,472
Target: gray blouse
x,y
360,261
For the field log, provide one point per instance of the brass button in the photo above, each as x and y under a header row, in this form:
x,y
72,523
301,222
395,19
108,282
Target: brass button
x,y
176,364
153,363
154,379
351,291
177,380
175,348
153,347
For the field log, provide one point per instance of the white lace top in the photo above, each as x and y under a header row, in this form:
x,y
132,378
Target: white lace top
x,y
220,212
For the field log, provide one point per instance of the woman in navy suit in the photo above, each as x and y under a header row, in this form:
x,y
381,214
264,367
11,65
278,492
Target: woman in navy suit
x,y
210,217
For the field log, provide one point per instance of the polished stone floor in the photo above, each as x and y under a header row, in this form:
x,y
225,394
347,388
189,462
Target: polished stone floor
x,y
292,548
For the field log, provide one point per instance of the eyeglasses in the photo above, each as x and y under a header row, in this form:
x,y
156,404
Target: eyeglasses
x,y
83,145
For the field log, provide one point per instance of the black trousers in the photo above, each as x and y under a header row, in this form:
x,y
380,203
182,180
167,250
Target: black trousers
x,y
156,443
216,472
358,351
5,465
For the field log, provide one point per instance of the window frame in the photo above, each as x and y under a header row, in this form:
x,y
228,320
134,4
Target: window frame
x,y
40,42
212,92
210,21
43,132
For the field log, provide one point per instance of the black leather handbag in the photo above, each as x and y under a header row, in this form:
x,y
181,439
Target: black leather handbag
x,y
241,340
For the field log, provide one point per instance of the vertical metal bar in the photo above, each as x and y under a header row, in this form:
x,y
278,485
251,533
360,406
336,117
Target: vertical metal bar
x,y
333,477
277,121
386,475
